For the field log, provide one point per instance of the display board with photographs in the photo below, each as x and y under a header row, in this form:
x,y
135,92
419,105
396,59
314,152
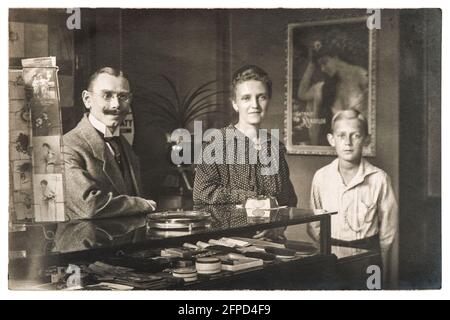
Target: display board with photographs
x,y
21,191
35,142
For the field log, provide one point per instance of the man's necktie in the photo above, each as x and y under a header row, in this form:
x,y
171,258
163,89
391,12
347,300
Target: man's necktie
x,y
114,142
122,162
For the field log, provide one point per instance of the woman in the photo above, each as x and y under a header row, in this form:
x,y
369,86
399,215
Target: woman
x,y
50,158
232,182
344,85
48,207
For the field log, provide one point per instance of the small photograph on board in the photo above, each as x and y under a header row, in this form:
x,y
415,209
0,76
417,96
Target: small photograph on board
x,y
46,154
16,39
20,147
48,201
42,83
16,85
45,119
18,120
22,172
18,106
23,205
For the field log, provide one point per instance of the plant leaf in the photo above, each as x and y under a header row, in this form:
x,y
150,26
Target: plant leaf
x,y
170,121
196,92
192,97
174,89
200,108
195,104
163,109
169,103
170,106
189,120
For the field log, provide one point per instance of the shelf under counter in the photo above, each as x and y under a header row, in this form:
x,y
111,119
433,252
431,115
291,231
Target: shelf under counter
x,y
88,241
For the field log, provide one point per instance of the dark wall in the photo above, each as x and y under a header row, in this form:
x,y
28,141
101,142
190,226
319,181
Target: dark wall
x,y
420,167
185,46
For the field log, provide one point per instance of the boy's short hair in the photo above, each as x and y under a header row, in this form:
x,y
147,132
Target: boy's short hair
x,y
247,73
348,115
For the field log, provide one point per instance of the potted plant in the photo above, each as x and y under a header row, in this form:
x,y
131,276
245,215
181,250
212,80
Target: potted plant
x,y
171,111
175,111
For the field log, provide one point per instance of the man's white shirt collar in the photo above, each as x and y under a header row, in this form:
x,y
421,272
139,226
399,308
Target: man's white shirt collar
x,y
102,128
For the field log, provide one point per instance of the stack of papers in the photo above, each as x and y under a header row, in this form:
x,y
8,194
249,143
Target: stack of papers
x,y
237,262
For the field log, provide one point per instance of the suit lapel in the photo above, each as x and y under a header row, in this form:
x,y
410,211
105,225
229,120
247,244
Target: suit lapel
x,y
101,152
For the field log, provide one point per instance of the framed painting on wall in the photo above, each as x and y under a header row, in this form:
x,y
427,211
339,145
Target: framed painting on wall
x,y
331,66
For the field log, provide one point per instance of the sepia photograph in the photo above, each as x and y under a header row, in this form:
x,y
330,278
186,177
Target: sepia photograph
x,y
47,154
22,206
48,204
18,119
45,119
282,150
22,175
19,145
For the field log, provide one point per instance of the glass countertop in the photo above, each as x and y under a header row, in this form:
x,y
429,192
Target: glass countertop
x,y
41,239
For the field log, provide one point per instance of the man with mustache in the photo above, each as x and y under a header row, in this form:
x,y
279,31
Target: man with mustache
x,y
101,170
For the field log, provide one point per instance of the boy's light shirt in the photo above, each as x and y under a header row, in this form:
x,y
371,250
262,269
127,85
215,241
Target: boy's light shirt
x,y
368,201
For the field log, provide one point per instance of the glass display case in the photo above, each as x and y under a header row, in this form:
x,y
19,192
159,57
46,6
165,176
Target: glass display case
x,y
154,252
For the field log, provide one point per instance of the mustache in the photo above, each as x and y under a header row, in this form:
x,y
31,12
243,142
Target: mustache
x,y
114,112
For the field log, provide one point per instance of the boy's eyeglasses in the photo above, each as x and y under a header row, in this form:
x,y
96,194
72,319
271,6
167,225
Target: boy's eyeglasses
x,y
356,136
109,95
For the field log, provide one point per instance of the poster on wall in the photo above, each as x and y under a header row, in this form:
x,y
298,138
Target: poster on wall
x,y
127,128
330,67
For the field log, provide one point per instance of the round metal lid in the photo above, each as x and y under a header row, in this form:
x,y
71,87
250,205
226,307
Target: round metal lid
x,y
178,219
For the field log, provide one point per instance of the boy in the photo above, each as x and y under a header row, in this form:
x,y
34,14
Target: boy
x,y
361,193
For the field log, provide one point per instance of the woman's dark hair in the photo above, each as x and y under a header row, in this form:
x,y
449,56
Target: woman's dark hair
x,y
45,144
44,182
250,72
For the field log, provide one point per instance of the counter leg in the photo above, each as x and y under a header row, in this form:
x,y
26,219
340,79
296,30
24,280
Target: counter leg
x,y
325,235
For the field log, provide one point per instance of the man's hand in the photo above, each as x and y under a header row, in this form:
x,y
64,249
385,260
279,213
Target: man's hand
x,y
152,204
